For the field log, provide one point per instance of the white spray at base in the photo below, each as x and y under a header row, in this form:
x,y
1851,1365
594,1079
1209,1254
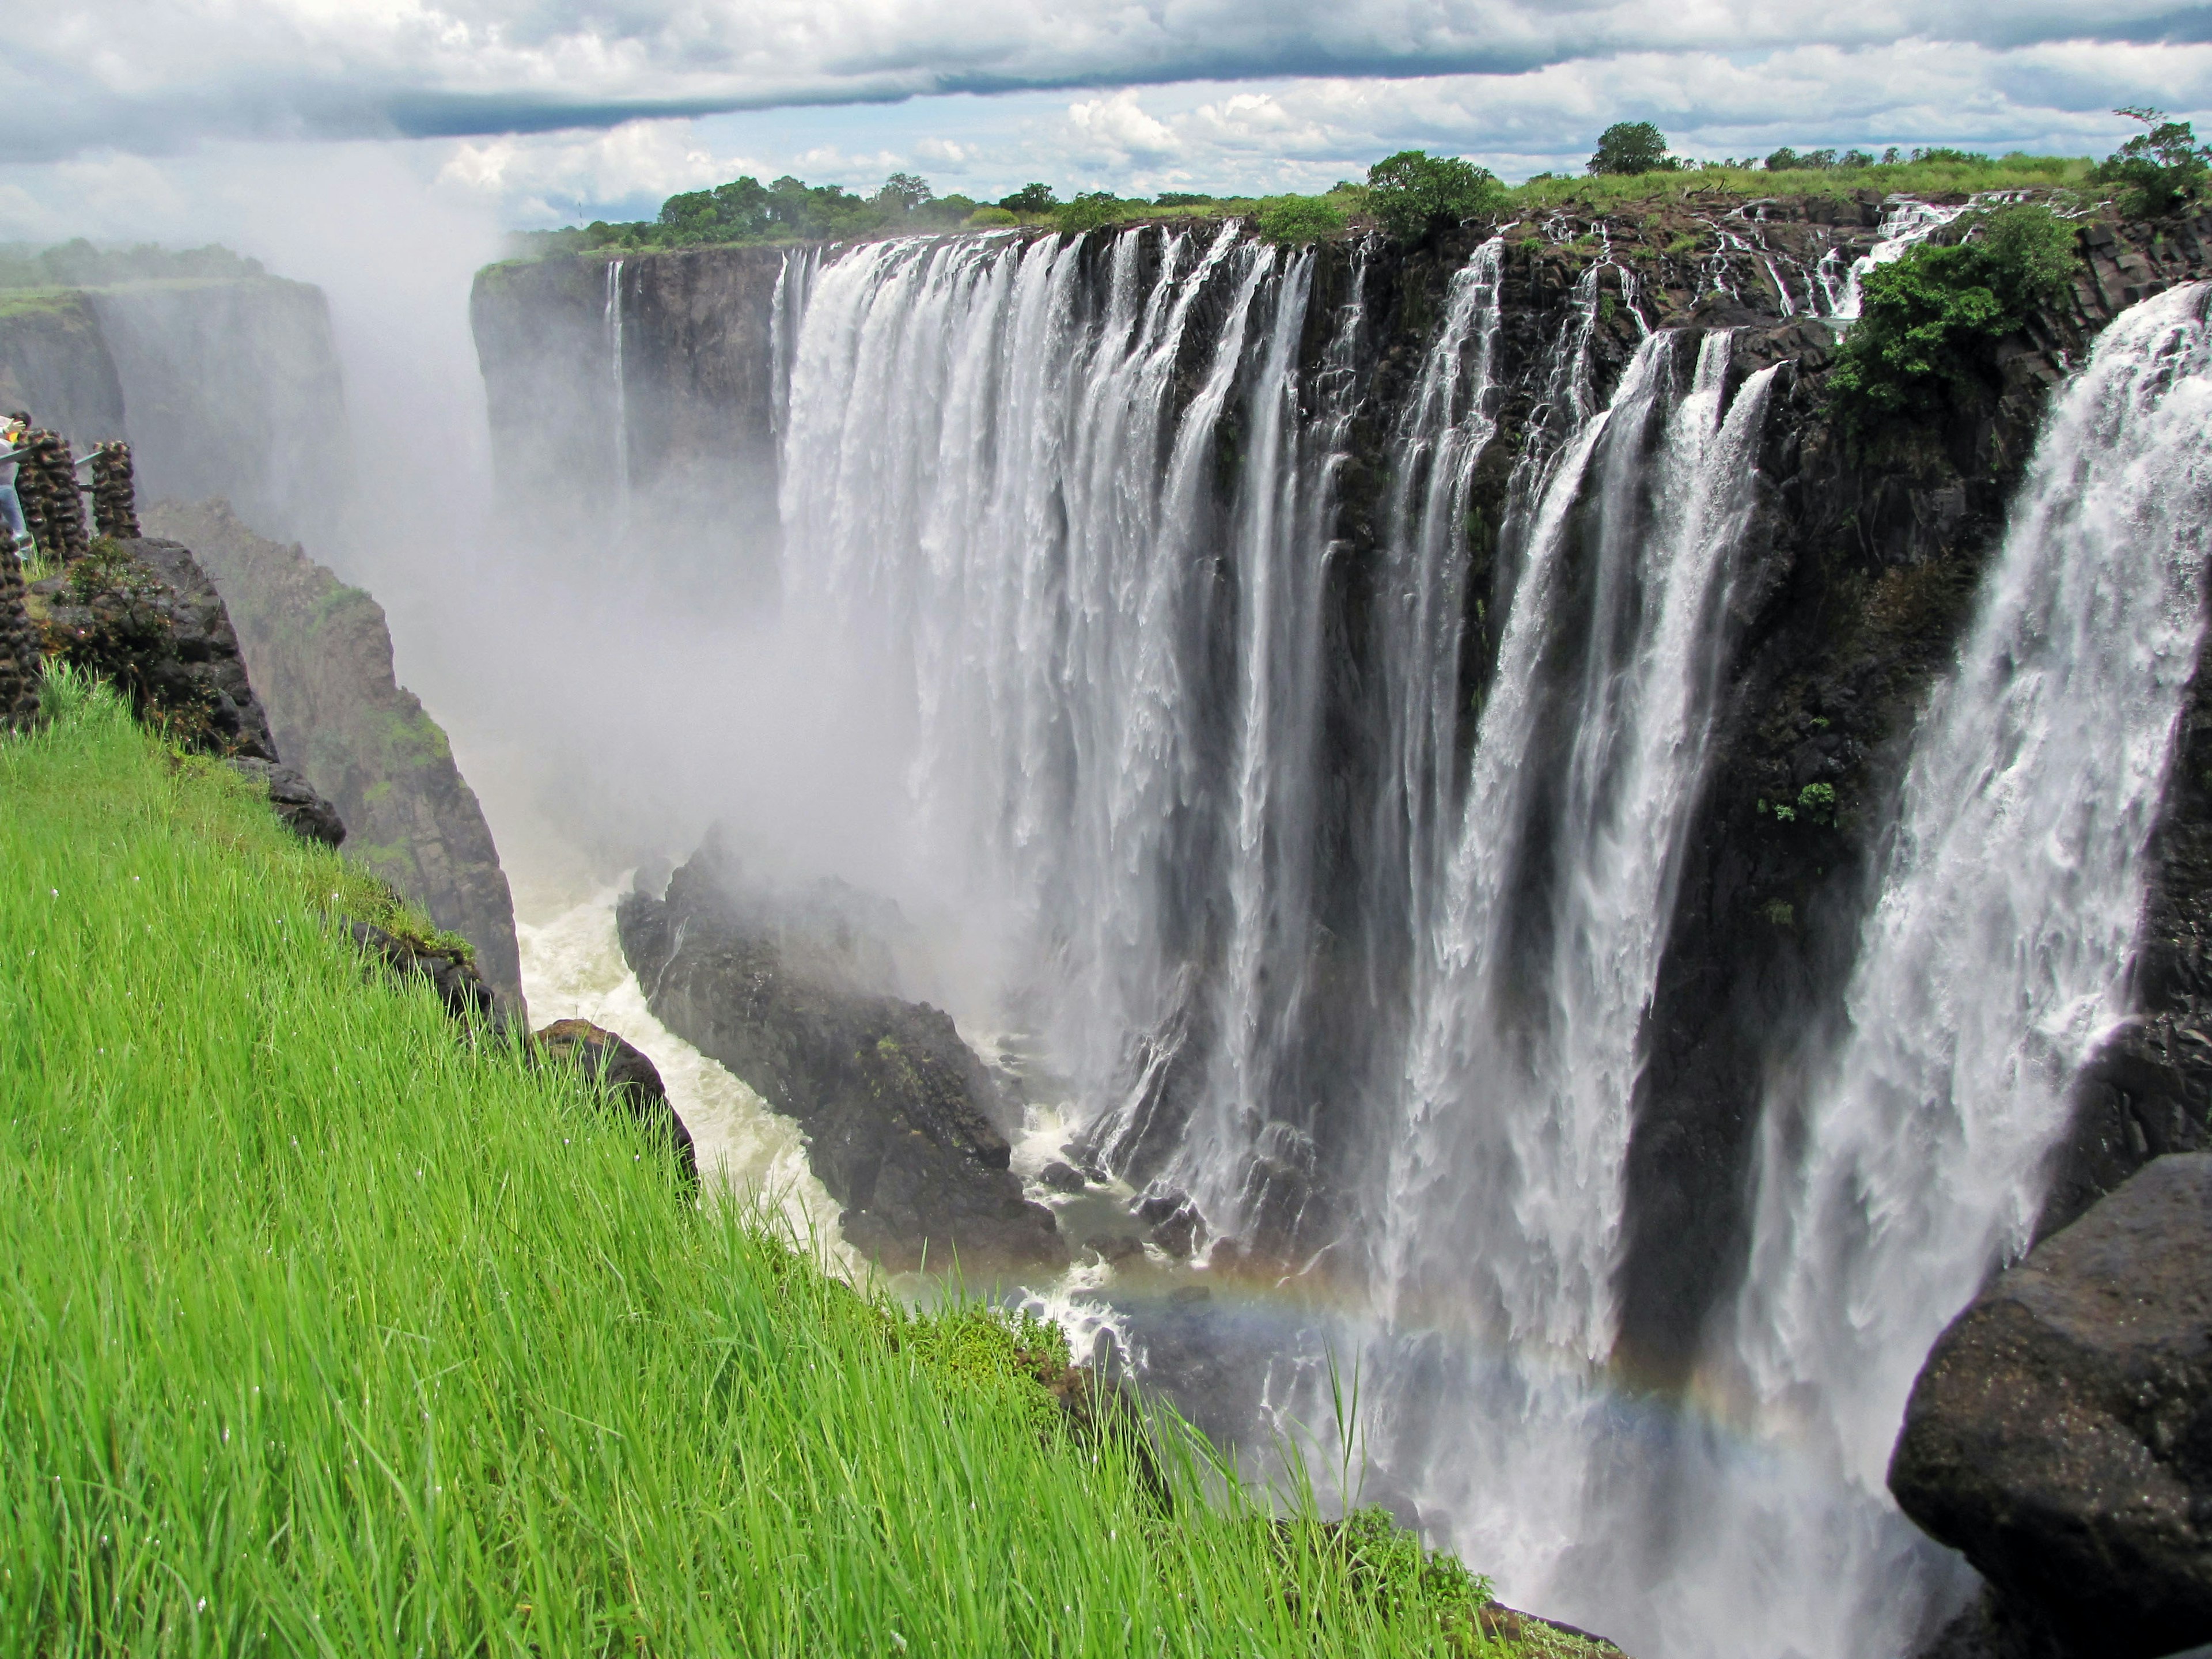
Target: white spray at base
x,y
573,969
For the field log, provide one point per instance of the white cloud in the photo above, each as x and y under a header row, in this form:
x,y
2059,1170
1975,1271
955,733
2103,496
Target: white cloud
x,y
124,75
1116,130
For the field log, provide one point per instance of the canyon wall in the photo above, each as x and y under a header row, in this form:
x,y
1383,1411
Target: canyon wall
x,y
227,388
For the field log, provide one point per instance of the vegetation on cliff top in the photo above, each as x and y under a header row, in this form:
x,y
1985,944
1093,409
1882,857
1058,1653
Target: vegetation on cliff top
x,y
326,1331
79,263
1927,321
1404,195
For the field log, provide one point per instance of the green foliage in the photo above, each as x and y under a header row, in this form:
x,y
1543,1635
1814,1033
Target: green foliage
x,y
79,265
1414,191
1929,319
1787,160
1633,147
1030,198
1089,211
321,1332
1169,198
992,218
2160,170
903,192
1295,220
1383,1565
1817,802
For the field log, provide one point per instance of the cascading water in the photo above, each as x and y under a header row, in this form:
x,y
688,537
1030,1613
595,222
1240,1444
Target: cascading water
x,y
1998,957
621,390
1068,514
989,491
1905,225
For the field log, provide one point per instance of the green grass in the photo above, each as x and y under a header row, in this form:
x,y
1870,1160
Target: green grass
x,y
1605,191
325,1331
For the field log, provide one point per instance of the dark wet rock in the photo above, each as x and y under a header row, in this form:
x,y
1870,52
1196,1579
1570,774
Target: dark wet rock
x,y
899,1113
294,799
450,974
1061,1177
627,1075
2060,1436
144,615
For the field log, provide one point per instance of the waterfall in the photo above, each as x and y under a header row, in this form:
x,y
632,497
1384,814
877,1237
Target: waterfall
x,y
794,280
1905,224
1998,957
1329,838
614,328
992,499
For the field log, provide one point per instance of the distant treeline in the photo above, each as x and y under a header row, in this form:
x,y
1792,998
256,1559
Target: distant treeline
x,y
1403,195
79,265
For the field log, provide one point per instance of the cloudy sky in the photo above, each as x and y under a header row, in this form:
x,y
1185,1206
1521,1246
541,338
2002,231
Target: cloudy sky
x,y
142,114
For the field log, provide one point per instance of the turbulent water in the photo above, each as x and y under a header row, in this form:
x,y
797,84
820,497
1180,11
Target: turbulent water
x,y
1070,519
573,969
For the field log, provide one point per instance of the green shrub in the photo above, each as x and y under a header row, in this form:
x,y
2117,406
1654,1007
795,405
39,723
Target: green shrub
x,y
1633,147
992,218
1929,320
1089,211
1413,190
1294,221
2159,170
1030,198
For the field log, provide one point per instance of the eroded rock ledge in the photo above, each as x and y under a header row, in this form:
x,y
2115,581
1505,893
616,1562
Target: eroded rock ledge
x,y
898,1111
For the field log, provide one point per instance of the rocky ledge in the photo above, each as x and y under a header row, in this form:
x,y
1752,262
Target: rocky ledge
x,y
900,1115
2060,1436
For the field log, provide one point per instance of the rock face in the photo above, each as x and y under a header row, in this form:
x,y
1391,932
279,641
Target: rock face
x,y
2061,1433
144,615
226,386
678,455
1855,582
625,1073
898,1111
451,974
321,659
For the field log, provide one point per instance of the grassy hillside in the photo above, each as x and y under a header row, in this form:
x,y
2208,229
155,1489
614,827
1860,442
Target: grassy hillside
x,y
324,1330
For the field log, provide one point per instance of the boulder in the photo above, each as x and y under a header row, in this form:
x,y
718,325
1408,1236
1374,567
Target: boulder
x,y
630,1078
2060,1435
899,1113
451,974
294,799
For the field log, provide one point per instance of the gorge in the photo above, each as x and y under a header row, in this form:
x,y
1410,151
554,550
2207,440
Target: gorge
x,y
1576,890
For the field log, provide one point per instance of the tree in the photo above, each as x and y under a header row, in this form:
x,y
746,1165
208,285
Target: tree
x,y
1088,211
1294,221
1633,147
1030,198
2158,170
902,192
1929,321
1413,190
1783,159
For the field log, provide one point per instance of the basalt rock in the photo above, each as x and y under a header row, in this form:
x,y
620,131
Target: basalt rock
x,y
898,1110
144,615
294,799
627,1076
451,974
2060,1435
